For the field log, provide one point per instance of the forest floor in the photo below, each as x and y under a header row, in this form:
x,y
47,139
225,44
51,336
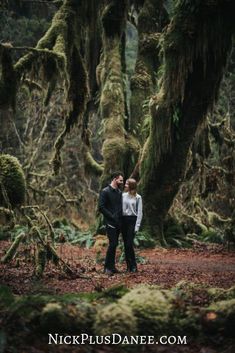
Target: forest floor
x,y
209,264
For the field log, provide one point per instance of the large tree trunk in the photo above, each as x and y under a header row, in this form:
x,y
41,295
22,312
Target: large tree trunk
x,y
117,145
112,92
194,59
151,21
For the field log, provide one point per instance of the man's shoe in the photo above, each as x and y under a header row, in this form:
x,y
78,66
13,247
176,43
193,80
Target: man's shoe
x,y
133,270
108,272
115,270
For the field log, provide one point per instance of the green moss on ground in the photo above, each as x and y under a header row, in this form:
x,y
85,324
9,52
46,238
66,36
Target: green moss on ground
x,y
187,309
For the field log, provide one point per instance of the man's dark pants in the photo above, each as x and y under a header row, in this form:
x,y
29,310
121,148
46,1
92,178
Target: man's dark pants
x,y
113,234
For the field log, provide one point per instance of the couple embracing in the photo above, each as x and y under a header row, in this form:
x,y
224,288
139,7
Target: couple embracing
x,y
122,214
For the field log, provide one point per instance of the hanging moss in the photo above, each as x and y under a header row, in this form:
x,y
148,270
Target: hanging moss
x,y
56,57
141,79
188,37
12,181
77,94
7,79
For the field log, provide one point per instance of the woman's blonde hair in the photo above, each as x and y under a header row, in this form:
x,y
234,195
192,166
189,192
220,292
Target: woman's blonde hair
x,y
132,185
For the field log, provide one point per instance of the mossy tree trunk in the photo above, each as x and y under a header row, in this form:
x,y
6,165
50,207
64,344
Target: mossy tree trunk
x,y
116,143
152,19
194,59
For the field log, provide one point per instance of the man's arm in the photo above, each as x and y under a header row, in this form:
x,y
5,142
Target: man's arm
x,y
102,206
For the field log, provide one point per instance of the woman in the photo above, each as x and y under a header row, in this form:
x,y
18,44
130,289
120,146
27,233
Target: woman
x,y
132,216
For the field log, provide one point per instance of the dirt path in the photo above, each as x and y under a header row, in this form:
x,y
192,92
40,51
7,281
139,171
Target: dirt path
x,y
210,265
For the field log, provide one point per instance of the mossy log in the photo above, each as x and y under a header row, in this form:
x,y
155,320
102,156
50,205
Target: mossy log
x,y
148,310
13,248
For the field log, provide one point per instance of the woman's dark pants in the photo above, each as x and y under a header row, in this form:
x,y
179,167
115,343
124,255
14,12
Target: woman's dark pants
x,y
128,233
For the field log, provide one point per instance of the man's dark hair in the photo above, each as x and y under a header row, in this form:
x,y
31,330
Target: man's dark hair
x,y
116,174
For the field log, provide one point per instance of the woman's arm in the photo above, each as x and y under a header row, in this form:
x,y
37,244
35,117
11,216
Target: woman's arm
x,y
139,213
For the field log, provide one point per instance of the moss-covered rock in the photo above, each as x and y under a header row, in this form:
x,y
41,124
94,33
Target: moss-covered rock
x,y
151,308
116,318
185,320
53,318
71,318
187,290
218,294
199,310
85,317
12,181
220,318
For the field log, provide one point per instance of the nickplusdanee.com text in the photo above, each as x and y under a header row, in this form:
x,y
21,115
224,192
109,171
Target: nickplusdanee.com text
x,y
115,339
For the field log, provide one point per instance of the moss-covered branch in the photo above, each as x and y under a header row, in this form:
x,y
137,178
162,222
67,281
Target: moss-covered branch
x,y
93,166
12,250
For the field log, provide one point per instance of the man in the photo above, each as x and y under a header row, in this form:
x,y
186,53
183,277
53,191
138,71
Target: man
x,y
110,205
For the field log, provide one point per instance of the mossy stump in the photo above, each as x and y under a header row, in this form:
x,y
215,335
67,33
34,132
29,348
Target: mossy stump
x,y
12,181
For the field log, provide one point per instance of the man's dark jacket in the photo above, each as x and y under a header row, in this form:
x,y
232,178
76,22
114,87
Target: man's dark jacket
x,y
110,205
